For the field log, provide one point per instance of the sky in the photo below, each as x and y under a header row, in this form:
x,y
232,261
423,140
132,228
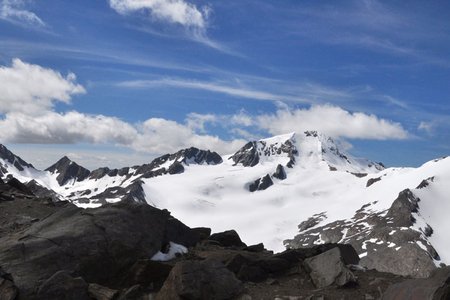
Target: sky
x,y
119,82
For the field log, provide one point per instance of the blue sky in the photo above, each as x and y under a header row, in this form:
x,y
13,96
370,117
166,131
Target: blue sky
x,y
117,82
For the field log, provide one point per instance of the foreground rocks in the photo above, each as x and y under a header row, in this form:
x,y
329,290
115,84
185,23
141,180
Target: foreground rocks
x,y
54,250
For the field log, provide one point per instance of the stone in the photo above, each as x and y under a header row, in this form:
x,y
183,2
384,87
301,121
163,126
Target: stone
x,y
8,291
63,286
147,273
97,244
329,268
280,173
202,232
255,248
208,279
437,286
176,168
261,184
99,292
229,238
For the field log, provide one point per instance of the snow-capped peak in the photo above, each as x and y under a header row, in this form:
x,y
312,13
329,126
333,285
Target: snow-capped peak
x,y
279,149
68,170
9,160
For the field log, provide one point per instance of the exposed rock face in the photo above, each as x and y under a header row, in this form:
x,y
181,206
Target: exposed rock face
x,y
261,184
330,268
250,154
386,241
208,279
229,238
97,244
435,287
8,291
68,170
13,159
197,156
63,286
280,173
372,181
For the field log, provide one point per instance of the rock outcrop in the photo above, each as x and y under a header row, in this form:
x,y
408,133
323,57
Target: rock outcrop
x,y
386,241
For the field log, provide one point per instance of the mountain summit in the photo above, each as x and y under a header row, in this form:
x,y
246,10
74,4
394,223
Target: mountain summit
x,y
68,170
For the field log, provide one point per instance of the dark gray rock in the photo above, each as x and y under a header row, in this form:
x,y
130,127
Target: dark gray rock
x,y
147,273
402,209
68,170
8,291
98,244
13,159
176,168
192,280
437,286
63,286
202,232
387,240
229,238
329,268
250,154
261,184
99,292
372,181
255,248
280,173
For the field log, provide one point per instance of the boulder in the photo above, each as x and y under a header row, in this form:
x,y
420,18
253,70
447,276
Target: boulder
x,y
280,173
63,286
176,168
99,292
208,279
229,238
147,273
261,184
329,268
8,291
437,286
97,244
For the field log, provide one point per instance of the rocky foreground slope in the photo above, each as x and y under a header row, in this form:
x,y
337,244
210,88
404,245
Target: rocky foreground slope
x,y
55,250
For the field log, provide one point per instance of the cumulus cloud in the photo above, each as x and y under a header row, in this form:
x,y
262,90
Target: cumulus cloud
x,y
33,89
65,128
161,136
13,11
333,121
173,11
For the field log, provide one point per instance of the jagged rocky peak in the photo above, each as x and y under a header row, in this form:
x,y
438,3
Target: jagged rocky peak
x,y
196,156
267,149
68,170
10,158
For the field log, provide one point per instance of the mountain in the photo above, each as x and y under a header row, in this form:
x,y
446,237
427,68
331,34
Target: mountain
x,y
293,190
11,163
68,170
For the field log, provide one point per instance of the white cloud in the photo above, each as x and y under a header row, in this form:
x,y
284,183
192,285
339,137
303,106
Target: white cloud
x,y
333,121
33,89
65,128
172,11
162,136
12,10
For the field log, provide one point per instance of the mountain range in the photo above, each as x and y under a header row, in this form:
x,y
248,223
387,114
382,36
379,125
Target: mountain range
x,y
293,190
